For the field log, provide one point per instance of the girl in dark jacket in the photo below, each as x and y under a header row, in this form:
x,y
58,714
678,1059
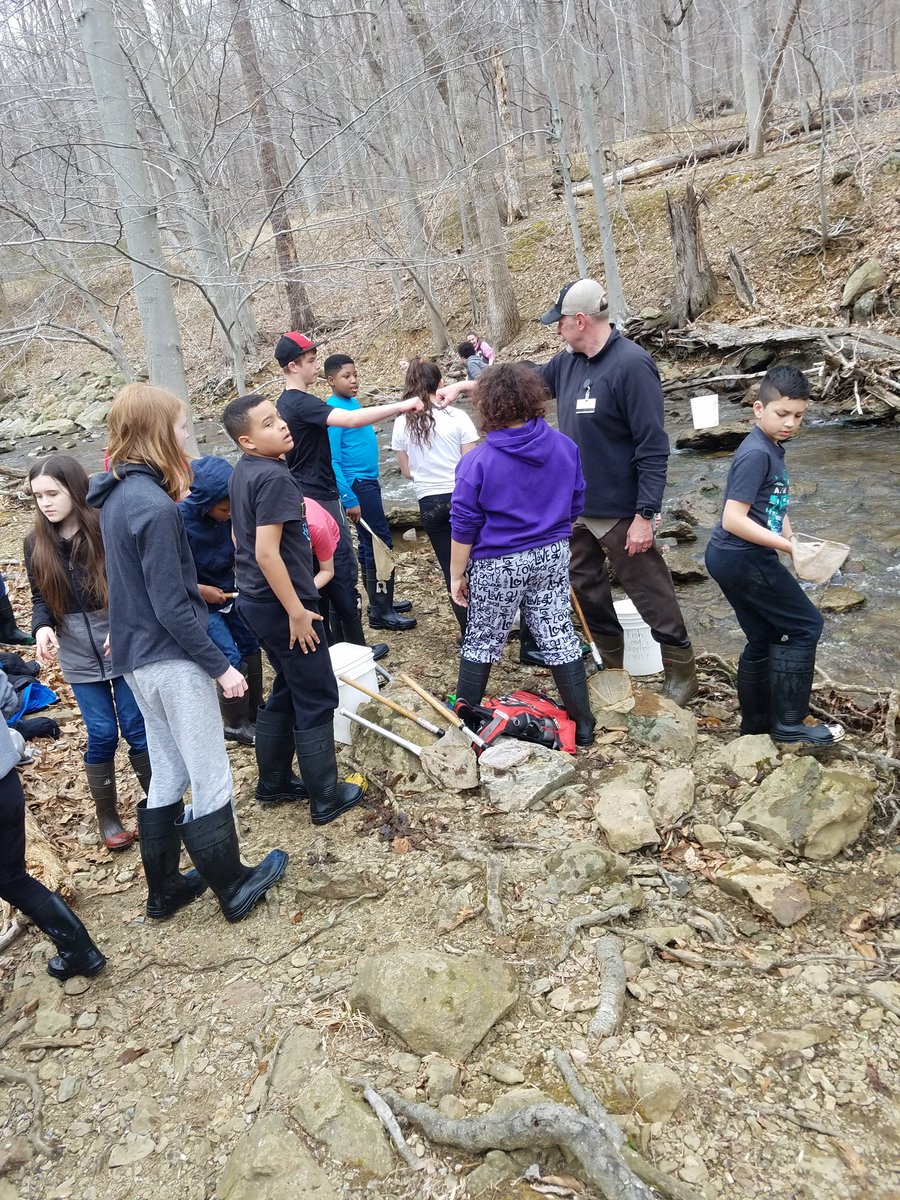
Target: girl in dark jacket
x,y
64,560
159,641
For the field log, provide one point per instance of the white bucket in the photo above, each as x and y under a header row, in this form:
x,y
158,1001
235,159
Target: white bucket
x,y
642,655
356,662
705,411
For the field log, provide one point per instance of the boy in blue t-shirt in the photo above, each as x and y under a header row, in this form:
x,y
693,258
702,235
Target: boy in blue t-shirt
x,y
354,457
782,625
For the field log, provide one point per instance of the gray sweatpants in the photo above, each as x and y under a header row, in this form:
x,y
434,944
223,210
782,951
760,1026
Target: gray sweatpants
x,y
184,735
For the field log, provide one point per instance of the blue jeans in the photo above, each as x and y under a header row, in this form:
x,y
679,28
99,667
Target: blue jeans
x,y
769,603
108,706
368,493
232,636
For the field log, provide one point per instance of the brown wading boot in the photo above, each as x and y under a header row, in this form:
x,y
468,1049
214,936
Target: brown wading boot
x,y
681,674
612,651
101,781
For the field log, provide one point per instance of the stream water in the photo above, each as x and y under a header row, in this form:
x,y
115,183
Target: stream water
x,y
844,486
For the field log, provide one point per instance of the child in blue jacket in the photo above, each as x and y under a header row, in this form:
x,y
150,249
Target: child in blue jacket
x,y
206,513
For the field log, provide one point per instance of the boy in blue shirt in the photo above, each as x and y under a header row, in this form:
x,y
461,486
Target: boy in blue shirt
x,y
354,457
781,624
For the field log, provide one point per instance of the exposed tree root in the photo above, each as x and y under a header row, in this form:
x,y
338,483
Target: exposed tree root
x,y
608,1013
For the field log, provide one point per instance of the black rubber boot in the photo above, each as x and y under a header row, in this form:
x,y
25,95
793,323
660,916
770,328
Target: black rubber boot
x,y
160,841
681,674
10,633
612,651
252,671
529,653
140,764
318,767
353,633
212,843
571,682
77,953
753,694
791,671
101,781
472,681
235,718
277,783
381,610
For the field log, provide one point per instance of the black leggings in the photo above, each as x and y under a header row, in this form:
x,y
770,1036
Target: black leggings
x,y
16,886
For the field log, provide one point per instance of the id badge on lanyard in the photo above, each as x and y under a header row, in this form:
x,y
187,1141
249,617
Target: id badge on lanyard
x,y
587,403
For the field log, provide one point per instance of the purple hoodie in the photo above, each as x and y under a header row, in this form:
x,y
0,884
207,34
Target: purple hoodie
x,y
519,489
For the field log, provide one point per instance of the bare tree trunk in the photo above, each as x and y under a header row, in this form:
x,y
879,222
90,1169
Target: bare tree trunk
x,y
695,284
137,205
758,136
299,307
750,66
516,204
618,309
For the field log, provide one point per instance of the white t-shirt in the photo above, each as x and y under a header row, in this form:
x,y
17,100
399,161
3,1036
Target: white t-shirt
x,y
433,467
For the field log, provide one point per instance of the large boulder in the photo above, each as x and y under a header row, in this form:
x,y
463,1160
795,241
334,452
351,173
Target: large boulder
x,y
727,436
271,1162
766,887
811,810
435,1003
385,759
867,277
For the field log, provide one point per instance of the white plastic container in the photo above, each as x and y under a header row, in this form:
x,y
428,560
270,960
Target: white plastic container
x,y
642,655
705,411
356,662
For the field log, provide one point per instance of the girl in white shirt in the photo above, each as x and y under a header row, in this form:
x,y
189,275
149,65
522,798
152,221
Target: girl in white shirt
x,y
429,444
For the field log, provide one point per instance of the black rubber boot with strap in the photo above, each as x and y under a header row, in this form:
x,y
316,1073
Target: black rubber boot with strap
x,y
382,614
101,781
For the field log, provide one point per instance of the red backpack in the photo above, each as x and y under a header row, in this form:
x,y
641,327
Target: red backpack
x,y
528,716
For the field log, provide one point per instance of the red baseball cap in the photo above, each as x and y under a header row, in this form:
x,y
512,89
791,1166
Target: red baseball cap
x,y
291,345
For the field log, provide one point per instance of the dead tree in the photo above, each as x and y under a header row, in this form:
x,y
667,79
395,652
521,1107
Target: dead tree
x,y
696,287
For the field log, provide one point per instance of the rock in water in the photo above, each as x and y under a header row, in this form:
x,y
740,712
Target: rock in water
x,y
270,1162
435,1003
727,436
683,567
840,599
623,813
811,810
767,887
329,1110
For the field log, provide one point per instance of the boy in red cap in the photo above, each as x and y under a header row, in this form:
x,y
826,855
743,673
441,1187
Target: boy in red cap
x,y
308,418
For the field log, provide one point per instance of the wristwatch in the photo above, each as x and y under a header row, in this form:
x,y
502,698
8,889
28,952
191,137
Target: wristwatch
x,y
647,513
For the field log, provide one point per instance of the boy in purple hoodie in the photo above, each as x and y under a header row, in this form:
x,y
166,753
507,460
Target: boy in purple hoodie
x,y
516,498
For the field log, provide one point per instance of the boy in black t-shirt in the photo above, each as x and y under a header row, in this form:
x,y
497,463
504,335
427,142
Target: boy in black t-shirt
x,y
278,600
308,419
782,625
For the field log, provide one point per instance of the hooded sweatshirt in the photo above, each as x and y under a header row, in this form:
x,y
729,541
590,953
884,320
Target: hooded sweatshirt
x,y
155,610
210,540
519,489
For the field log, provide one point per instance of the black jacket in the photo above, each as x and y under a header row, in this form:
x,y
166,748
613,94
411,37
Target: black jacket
x,y
155,610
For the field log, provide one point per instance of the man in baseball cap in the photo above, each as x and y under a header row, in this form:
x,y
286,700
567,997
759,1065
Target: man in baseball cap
x,y
583,296
290,346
